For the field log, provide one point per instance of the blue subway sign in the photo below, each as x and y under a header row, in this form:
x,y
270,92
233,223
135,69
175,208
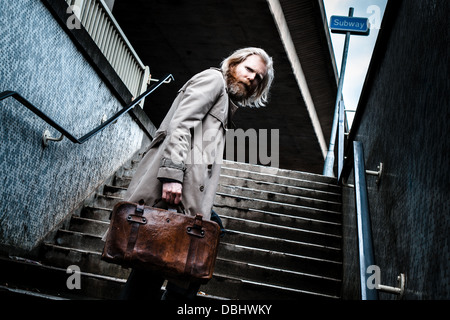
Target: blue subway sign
x,y
354,25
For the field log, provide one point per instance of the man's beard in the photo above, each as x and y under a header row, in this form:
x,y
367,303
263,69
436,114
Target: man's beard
x,y
236,89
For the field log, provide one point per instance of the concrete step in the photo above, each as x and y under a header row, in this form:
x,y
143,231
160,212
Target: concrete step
x,y
245,262
282,241
278,277
38,280
86,234
257,194
247,203
236,288
113,190
122,181
266,177
42,281
280,260
289,246
106,201
261,190
266,190
88,261
88,226
84,250
27,294
267,170
79,240
266,261
98,228
96,213
103,214
50,280
281,180
280,219
23,278
249,198
129,171
281,232
230,180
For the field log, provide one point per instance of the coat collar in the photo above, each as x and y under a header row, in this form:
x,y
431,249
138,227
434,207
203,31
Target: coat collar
x,y
232,106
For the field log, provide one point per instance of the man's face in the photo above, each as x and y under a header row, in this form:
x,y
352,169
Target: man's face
x,y
245,77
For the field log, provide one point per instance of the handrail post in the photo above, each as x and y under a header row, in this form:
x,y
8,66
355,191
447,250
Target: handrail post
x,y
366,256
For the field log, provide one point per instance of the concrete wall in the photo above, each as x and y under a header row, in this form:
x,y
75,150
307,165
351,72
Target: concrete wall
x,y
41,186
403,121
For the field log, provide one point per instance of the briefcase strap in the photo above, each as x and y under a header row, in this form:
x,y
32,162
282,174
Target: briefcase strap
x,y
196,233
134,232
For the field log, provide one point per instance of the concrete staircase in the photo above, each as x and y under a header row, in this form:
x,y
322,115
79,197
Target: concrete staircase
x,y
283,241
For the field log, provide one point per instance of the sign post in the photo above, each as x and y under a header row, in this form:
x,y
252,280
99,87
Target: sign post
x,y
348,26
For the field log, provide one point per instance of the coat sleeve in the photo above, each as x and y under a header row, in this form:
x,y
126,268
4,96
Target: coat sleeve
x,y
199,96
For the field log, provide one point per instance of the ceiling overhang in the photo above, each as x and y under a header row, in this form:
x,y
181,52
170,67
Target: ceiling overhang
x,y
185,37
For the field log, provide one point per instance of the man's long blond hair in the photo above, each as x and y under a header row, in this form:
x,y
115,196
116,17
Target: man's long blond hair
x,y
261,95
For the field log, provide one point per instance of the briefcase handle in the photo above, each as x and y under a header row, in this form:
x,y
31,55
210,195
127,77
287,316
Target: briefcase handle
x,y
160,203
196,229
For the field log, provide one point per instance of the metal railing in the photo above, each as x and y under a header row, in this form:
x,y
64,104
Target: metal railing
x,y
354,150
364,229
90,134
366,256
369,291
101,25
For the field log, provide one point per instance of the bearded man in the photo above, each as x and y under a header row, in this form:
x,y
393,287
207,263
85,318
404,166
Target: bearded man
x,y
183,161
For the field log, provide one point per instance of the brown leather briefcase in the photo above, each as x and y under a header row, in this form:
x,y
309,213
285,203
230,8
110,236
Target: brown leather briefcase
x,y
176,245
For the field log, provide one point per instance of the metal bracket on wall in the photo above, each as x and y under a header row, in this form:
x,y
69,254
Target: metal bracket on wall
x,y
46,137
370,172
348,185
399,290
376,173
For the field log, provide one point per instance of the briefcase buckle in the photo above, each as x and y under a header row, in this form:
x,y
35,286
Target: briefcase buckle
x,y
196,229
136,219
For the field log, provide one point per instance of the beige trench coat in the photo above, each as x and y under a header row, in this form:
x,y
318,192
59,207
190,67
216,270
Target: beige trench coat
x,y
188,146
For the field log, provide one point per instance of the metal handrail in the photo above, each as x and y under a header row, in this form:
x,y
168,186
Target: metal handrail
x,y
90,134
366,256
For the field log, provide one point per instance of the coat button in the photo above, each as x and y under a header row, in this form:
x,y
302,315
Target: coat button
x,y
202,188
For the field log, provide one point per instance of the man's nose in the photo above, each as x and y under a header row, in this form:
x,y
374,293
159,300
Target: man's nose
x,y
251,76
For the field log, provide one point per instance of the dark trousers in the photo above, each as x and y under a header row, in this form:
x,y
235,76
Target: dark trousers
x,y
145,285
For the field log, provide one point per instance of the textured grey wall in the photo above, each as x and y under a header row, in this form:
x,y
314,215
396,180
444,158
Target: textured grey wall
x,y
405,125
40,187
